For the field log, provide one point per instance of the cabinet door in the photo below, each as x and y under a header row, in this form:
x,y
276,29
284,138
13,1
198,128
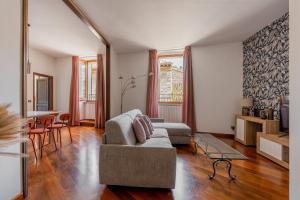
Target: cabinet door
x,y
240,129
271,148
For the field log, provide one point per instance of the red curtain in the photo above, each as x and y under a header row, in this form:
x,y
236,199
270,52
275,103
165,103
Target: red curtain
x,y
152,101
74,92
188,106
100,102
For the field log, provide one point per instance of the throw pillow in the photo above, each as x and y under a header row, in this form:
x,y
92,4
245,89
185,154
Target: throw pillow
x,y
149,123
139,130
146,128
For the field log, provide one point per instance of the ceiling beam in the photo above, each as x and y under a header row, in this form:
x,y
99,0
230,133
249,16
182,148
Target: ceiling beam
x,y
85,19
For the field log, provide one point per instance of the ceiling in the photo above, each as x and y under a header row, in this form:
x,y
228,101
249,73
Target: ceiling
x,y
134,25
56,31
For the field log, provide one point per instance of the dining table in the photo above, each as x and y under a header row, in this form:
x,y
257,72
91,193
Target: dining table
x,y
37,114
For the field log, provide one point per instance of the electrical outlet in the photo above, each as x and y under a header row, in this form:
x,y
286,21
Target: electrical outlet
x,y
232,128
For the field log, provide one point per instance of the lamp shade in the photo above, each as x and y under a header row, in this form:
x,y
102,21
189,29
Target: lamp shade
x,y
247,102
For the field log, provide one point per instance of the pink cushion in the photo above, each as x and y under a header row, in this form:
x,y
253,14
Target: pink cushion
x,y
145,126
139,130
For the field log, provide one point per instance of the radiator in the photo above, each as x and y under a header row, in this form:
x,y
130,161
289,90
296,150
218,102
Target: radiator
x,y
171,112
87,110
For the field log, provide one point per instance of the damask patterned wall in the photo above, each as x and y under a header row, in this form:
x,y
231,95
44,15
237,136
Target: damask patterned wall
x,y
266,65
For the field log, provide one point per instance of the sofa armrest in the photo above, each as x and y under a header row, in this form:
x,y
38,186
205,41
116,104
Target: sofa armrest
x,y
137,166
157,120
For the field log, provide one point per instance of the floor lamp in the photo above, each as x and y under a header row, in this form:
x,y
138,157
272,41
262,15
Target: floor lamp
x,y
128,84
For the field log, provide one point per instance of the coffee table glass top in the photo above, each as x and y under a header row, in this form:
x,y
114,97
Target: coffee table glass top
x,y
216,149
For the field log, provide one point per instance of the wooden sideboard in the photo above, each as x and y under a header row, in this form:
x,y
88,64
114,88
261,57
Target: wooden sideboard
x,y
274,147
248,126
265,135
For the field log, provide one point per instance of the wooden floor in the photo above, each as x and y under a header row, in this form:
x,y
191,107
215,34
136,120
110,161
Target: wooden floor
x,y
72,173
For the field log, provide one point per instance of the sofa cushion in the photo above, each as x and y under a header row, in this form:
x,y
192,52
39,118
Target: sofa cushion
x,y
147,128
156,142
139,130
180,139
119,130
174,129
149,123
160,133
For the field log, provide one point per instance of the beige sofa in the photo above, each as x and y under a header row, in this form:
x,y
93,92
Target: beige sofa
x,y
125,162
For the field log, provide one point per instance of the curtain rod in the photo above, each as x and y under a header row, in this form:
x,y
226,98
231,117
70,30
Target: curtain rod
x,y
166,50
88,56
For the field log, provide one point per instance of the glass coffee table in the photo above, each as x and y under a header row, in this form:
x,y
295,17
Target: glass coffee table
x,y
217,151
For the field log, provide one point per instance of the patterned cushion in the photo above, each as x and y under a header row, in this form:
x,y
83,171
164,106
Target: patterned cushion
x,y
149,123
145,126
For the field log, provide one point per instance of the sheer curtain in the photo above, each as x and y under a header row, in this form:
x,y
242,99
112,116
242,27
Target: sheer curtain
x,y
100,102
152,101
188,106
74,92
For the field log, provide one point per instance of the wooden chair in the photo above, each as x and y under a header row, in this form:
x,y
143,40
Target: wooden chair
x,y
65,119
45,123
31,126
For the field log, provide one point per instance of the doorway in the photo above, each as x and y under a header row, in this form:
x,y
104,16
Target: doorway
x,y
42,92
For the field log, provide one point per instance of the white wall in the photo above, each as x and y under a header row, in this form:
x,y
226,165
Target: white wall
x,y
134,64
10,45
43,64
218,76
294,99
115,89
63,73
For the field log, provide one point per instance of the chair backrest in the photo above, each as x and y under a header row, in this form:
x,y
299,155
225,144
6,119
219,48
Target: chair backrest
x,y
65,118
47,121
31,123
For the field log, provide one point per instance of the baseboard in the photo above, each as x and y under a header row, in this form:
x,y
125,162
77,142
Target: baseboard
x,y
90,123
19,197
219,135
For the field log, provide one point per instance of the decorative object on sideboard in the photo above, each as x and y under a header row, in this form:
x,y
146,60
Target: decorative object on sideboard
x,y
128,84
263,114
256,112
270,113
12,130
284,115
246,104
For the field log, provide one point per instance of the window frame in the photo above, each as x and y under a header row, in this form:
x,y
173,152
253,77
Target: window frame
x,y
158,65
86,63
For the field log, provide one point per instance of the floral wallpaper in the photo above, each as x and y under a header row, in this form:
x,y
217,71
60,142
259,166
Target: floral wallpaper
x,y
266,65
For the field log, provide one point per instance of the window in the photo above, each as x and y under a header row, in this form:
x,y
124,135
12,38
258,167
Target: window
x,y
171,79
87,80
